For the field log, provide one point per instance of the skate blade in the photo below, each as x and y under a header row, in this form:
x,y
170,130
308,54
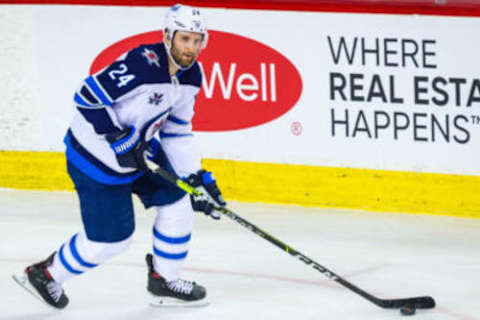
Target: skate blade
x,y
168,302
23,282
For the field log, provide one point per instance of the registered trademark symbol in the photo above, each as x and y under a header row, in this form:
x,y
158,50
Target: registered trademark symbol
x,y
475,119
296,128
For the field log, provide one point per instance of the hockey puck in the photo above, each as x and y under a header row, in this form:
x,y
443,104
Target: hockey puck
x,y
408,310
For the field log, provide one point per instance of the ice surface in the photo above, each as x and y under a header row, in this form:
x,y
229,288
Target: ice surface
x,y
388,255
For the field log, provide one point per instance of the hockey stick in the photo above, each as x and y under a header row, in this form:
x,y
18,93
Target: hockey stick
x,y
418,302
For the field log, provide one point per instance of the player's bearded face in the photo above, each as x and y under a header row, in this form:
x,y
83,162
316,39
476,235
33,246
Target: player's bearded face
x,y
185,47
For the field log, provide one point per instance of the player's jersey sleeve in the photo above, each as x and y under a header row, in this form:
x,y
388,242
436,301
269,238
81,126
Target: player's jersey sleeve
x,y
176,135
183,154
179,121
100,92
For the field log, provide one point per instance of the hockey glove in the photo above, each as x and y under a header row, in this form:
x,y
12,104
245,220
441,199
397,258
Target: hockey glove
x,y
211,195
130,148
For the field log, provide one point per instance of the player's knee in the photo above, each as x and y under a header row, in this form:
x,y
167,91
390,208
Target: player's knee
x,y
101,251
177,217
180,208
114,248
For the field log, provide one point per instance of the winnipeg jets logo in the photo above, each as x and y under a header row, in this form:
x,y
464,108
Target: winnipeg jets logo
x,y
153,128
156,124
151,56
155,99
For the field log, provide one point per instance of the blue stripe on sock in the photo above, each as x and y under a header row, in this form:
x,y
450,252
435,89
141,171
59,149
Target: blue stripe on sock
x,y
171,256
65,263
171,240
75,254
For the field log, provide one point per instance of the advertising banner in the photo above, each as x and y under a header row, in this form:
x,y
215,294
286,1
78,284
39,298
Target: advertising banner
x,y
375,91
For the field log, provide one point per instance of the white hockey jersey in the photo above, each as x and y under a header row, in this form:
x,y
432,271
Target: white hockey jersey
x,y
136,90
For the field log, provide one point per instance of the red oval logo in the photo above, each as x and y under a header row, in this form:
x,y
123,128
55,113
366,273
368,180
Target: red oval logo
x,y
245,83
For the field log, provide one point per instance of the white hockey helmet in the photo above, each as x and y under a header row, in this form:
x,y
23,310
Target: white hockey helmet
x,y
184,18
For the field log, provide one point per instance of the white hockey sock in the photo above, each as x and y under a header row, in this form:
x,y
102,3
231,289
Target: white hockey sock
x,y
171,237
80,254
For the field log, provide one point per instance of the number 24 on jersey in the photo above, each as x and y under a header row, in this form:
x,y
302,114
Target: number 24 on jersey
x,y
121,76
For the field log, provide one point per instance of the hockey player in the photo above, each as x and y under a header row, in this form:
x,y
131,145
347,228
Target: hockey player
x,y
136,110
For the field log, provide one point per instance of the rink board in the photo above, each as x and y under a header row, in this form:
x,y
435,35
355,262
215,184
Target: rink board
x,y
364,189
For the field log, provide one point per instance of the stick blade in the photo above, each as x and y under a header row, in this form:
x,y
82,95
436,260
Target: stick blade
x,y
418,302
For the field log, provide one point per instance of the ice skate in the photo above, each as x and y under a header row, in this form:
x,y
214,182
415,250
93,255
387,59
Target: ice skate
x,y
37,281
177,293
